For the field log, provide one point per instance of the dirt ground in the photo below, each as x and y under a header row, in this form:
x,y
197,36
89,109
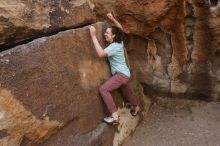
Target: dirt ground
x,y
178,122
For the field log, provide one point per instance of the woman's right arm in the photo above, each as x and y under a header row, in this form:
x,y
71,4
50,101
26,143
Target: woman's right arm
x,y
111,17
98,47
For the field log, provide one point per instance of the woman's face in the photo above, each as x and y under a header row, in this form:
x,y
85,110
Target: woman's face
x,y
109,37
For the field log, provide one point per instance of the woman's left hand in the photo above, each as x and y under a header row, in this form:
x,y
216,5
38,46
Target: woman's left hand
x,y
92,31
110,16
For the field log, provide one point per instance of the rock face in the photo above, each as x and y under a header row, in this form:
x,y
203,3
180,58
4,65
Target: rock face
x,y
214,24
52,80
17,122
22,20
50,85
178,48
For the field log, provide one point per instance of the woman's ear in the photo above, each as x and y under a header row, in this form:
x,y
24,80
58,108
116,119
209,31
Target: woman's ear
x,y
113,36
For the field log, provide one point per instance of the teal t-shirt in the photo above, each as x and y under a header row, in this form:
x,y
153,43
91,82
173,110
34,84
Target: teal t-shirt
x,y
116,57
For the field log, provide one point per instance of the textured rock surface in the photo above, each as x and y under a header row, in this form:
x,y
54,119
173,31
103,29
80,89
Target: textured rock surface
x,y
191,29
101,135
141,17
173,48
55,81
177,52
56,77
22,20
102,7
214,24
17,122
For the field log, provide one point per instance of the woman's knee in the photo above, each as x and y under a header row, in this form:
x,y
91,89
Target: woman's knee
x,y
102,89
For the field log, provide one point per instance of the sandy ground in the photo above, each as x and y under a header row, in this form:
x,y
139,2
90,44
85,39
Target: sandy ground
x,y
178,122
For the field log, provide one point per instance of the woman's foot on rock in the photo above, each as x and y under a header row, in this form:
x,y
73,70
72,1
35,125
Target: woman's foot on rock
x,y
111,121
135,111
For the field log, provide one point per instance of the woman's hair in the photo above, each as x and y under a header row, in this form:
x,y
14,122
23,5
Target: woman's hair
x,y
118,34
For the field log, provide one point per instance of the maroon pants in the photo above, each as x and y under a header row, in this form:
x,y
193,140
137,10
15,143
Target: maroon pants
x,y
119,80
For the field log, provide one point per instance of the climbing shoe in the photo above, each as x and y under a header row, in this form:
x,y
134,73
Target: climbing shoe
x,y
134,112
111,121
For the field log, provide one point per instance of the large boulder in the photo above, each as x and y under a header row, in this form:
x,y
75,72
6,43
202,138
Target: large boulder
x,y
22,20
173,49
50,87
51,83
142,17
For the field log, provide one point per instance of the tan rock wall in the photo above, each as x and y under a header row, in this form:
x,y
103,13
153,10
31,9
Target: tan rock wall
x,y
22,20
188,66
55,77
173,49
19,122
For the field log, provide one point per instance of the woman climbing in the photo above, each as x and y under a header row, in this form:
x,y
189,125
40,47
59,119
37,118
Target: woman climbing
x,y
119,69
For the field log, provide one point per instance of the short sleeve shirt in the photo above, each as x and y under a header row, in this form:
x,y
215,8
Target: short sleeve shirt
x,y
116,57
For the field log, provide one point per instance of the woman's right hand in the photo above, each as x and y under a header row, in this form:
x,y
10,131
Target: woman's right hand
x,y
110,16
92,31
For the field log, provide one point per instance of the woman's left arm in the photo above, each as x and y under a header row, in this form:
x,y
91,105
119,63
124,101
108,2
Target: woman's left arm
x,y
112,18
98,47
